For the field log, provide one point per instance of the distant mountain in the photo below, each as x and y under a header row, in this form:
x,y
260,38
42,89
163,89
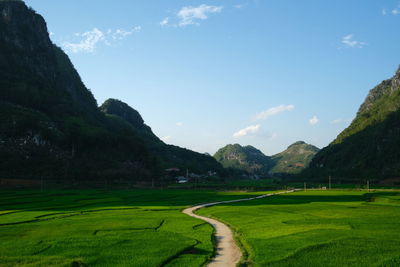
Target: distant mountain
x,y
294,159
249,159
245,158
370,147
50,124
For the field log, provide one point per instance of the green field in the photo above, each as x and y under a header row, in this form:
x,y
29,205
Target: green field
x,y
146,228
105,228
317,228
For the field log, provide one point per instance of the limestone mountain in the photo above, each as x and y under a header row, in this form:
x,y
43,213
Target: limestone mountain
x,y
245,158
169,155
50,124
294,159
370,147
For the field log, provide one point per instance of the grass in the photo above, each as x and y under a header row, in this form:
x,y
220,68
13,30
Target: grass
x,y
317,228
105,228
146,228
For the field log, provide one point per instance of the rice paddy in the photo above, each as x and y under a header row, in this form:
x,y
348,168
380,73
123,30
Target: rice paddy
x,y
104,228
317,228
147,228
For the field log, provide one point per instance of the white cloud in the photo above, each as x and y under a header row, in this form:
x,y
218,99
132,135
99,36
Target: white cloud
x,y
252,129
390,11
314,120
349,41
90,39
164,22
166,138
89,42
190,15
179,124
273,111
120,34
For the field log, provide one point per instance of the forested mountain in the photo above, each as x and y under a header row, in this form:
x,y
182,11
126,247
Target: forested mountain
x,y
51,126
370,147
168,155
245,158
294,159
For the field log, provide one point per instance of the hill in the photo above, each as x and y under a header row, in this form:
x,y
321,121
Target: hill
x,y
370,147
51,126
294,159
247,158
169,155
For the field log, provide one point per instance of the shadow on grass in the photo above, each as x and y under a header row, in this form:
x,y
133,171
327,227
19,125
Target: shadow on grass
x,y
163,200
75,200
290,199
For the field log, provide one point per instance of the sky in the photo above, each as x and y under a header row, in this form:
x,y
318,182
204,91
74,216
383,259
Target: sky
x,y
204,74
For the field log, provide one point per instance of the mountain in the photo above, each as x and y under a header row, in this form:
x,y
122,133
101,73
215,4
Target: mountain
x,y
294,159
245,158
51,126
169,155
370,147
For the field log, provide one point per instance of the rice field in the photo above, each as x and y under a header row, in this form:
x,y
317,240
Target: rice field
x,y
147,228
105,228
317,228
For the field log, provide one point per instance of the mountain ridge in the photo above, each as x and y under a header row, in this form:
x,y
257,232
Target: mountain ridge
x,y
370,147
170,155
247,158
51,126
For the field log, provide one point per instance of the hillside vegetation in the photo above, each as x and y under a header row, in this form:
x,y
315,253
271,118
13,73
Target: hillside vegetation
x,y
51,126
251,160
246,158
294,159
370,147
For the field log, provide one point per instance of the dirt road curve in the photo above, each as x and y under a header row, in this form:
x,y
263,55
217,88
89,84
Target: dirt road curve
x,y
228,253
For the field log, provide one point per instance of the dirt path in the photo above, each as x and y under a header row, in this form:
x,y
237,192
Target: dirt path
x,y
228,253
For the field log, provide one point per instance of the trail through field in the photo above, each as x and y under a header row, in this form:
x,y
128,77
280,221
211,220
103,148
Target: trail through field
x,y
228,254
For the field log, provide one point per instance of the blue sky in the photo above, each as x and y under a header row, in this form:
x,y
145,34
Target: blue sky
x,y
207,73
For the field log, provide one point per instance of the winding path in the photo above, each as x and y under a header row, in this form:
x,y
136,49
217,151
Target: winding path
x,y
228,253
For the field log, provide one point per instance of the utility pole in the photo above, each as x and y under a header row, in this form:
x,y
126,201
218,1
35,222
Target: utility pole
x,y
330,185
368,185
305,186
